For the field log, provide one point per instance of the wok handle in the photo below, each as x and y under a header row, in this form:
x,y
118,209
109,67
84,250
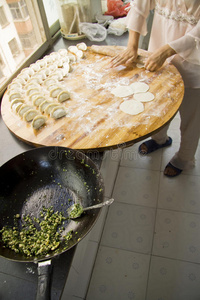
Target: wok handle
x,y
44,277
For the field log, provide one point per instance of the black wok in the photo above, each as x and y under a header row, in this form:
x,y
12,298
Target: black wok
x,y
49,176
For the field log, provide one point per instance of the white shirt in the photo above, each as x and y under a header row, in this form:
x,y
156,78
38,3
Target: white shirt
x,y
177,23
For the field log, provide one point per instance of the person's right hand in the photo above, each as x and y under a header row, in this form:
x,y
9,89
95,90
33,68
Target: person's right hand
x,y
126,57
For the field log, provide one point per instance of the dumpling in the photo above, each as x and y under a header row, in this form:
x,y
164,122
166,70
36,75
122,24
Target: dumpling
x,y
24,76
14,96
49,108
79,54
14,90
30,86
57,75
81,46
14,85
66,68
24,108
32,91
29,71
33,96
38,121
50,81
58,112
55,92
19,80
35,67
38,100
30,115
62,52
17,106
43,105
63,96
73,49
35,80
41,63
17,100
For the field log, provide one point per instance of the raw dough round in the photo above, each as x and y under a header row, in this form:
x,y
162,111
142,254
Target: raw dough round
x,y
139,87
122,91
144,97
132,107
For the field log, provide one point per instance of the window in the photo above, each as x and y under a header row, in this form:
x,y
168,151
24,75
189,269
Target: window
x,y
26,37
19,10
3,19
28,40
14,47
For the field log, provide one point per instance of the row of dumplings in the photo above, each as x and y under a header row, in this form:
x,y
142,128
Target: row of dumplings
x,y
40,82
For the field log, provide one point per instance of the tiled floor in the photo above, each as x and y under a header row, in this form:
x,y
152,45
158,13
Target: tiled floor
x,y
150,245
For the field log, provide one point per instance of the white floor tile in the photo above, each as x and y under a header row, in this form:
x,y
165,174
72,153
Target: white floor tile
x,y
173,280
129,227
180,193
136,186
176,235
131,158
80,271
118,275
109,170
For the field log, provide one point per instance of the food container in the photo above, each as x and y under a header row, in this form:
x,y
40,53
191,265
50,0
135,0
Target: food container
x,y
71,14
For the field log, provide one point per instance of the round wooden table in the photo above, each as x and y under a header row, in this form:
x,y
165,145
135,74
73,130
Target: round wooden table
x,y
94,120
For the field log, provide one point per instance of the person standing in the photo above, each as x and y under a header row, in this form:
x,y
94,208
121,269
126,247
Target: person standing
x,y
175,37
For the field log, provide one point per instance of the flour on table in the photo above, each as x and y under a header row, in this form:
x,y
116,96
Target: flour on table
x,y
122,91
144,97
132,107
139,87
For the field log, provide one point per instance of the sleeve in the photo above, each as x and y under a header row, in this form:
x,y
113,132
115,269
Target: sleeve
x,y
136,18
188,46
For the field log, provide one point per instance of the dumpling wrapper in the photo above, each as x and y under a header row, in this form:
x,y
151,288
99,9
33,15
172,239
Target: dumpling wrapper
x,y
139,87
63,96
122,91
30,115
58,112
144,97
38,121
132,107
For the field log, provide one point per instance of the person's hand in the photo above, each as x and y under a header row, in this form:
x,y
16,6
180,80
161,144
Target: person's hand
x,y
158,57
126,57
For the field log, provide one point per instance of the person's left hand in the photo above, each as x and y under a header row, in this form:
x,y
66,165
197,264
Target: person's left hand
x,y
158,57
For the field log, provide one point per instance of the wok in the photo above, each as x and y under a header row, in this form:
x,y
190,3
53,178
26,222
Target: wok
x,y
49,176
